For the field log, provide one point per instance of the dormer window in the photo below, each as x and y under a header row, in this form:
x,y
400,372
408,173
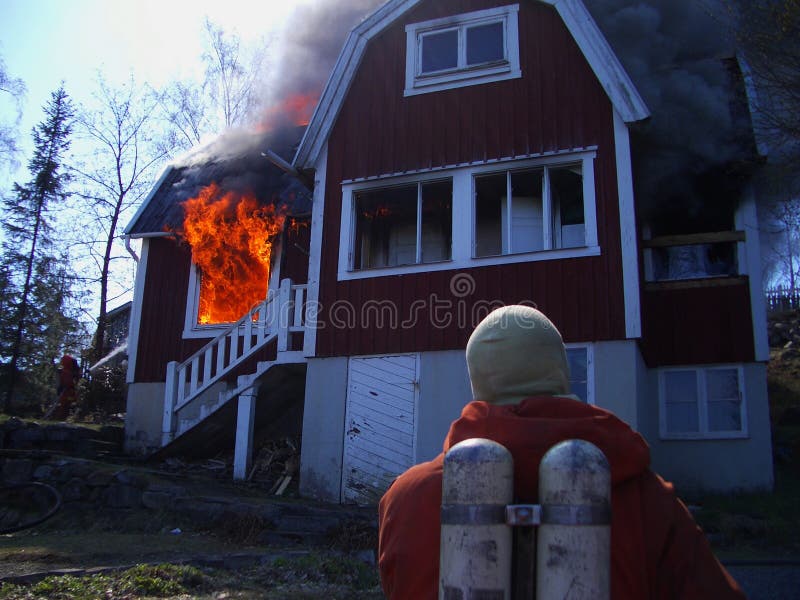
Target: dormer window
x,y
468,49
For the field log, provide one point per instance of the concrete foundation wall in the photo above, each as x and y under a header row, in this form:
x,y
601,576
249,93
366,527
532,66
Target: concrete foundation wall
x,y
622,382
615,379
323,429
144,417
718,465
444,390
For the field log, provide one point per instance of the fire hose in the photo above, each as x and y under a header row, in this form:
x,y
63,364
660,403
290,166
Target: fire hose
x,y
52,500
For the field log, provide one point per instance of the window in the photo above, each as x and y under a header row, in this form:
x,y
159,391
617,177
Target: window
x,y
702,403
458,217
199,322
581,372
467,49
403,225
694,261
529,210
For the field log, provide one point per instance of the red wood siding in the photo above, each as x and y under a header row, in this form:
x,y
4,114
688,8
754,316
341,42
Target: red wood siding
x,y
716,319
557,104
163,309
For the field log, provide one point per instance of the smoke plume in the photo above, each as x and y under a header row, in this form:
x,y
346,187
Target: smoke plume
x,y
679,56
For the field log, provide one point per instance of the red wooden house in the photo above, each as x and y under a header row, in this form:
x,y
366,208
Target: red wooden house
x,y
466,155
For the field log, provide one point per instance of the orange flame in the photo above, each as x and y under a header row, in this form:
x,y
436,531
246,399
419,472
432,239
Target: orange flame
x,y
295,109
231,237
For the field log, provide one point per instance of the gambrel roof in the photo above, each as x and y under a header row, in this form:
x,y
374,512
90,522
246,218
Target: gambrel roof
x,y
162,210
605,64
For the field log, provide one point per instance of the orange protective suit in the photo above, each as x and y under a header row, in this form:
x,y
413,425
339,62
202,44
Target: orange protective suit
x,y
657,550
68,376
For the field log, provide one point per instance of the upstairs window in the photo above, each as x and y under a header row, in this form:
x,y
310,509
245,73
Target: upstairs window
x,y
467,49
530,210
459,217
403,225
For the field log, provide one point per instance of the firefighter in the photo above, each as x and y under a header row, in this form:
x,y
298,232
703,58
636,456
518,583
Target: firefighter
x,y
519,376
69,373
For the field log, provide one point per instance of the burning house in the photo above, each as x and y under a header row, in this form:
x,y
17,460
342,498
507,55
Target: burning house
x,y
465,155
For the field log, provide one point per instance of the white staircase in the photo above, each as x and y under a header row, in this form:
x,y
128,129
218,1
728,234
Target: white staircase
x,y
195,388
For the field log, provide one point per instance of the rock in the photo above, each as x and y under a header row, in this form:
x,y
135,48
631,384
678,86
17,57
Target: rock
x,y
43,472
17,470
25,438
159,497
99,479
75,489
135,479
157,500
122,496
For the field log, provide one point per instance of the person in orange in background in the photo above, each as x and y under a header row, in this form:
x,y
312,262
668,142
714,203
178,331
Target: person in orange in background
x,y
69,373
519,375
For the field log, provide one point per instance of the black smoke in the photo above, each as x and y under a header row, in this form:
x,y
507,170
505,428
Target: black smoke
x,y
693,155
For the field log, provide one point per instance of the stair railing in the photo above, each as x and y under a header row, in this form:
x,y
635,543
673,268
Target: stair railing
x,y
281,313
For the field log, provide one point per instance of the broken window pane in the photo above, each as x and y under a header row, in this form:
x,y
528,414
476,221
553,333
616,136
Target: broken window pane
x,y
527,233
439,51
437,220
566,191
485,44
386,225
490,194
694,261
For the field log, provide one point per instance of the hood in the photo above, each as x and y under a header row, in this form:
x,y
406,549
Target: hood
x,y
514,353
529,429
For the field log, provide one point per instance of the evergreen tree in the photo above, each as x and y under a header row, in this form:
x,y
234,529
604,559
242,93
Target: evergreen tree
x,y
28,262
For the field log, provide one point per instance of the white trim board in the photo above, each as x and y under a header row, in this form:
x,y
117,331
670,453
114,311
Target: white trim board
x,y
315,254
164,173
627,229
601,58
747,220
136,311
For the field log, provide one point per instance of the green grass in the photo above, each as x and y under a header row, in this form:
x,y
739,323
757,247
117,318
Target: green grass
x,y
753,525
159,581
765,524
315,576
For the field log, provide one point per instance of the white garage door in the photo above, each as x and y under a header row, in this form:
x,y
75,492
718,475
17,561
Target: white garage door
x,y
379,425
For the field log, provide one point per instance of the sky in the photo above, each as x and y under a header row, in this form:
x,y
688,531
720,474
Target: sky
x,y
45,42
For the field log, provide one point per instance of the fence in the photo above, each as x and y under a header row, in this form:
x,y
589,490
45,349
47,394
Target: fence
x,y
782,299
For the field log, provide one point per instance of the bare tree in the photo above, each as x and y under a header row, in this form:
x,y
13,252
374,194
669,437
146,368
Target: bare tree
x,y
12,90
224,98
119,171
768,35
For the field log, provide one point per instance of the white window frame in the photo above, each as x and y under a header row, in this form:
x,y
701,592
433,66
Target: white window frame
x,y
590,391
589,215
194,330
702,405
463,214
463,75
418,260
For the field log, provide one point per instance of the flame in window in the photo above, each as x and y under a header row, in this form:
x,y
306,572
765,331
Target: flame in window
x,y
231,236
